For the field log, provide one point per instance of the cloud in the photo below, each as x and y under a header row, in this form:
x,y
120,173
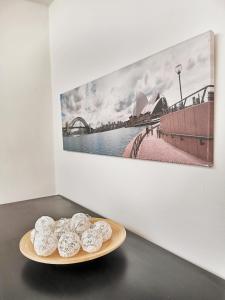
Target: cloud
x,y
190,64
161,85
91,88
168,66
124,103
144,83
112,97
202,58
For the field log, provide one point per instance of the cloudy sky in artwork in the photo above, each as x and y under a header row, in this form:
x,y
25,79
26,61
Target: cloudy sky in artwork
x,y
112,97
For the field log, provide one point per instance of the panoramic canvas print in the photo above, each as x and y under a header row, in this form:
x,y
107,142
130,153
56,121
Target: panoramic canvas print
x,y
159,108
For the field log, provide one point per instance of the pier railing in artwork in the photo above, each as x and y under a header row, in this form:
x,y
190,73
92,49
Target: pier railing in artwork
x,y
138,140
195,98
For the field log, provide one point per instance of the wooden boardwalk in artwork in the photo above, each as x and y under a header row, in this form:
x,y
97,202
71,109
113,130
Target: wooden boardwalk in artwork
x,y
156,149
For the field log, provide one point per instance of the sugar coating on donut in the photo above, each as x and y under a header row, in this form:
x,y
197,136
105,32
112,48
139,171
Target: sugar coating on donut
x,y
91,240
79,223
69,244
32,235
62,226
104,228
45,245
45,225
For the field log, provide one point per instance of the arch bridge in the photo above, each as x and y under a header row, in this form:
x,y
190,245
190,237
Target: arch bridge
x,y
73,125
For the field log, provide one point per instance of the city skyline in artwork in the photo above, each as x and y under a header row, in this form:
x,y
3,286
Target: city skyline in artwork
x,y
118,101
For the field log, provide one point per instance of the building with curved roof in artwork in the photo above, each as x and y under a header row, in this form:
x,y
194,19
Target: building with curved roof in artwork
x,y
158,106
146,112
140,103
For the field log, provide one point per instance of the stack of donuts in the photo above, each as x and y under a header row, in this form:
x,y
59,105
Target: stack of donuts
x,y
69,235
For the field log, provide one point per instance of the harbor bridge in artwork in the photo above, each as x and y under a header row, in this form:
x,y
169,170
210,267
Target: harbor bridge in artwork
x,y
77,126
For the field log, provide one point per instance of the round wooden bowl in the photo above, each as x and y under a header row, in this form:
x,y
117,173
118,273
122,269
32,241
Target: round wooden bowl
x,y
118,237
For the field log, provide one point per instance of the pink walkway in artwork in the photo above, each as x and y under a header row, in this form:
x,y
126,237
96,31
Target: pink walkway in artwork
x,y
153,148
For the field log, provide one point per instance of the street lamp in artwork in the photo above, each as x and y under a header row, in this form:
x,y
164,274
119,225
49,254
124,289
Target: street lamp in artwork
x,y
178,70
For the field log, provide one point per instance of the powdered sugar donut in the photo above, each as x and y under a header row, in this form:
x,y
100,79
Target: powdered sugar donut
x,y
104,228
69,244
91,240
32,235
45,225
79,223
45,245
62,226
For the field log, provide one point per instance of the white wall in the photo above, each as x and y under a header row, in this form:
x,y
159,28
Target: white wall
x,y
26,144
181,208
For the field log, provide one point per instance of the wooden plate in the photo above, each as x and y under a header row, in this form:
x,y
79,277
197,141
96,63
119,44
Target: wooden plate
x,y
118,237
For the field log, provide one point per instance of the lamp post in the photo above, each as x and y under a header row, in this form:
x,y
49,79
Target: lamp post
x,y
178,70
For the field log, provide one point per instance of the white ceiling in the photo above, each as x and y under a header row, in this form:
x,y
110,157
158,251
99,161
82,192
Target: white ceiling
x,y
45,2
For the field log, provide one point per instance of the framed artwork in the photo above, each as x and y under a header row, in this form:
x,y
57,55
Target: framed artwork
x,y
159,108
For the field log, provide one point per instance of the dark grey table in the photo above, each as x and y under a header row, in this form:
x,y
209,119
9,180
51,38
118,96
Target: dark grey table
x,y
138,270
